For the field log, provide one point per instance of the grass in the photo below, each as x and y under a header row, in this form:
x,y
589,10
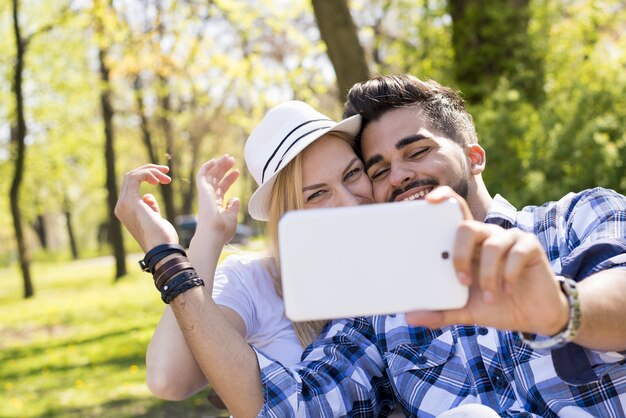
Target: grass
x,y
77,349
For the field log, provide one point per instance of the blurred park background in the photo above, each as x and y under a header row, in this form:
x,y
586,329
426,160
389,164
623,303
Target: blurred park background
x,y
93,88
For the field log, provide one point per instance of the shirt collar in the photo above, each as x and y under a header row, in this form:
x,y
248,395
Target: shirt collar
x,y
502,213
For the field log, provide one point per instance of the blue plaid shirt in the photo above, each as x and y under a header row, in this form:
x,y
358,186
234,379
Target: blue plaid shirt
x,y
363,366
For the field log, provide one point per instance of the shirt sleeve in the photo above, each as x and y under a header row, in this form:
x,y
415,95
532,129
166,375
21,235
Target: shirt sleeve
x,y
229,290
596,222
596,228
342,374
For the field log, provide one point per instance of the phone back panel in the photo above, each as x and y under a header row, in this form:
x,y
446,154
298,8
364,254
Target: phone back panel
x,y
366,260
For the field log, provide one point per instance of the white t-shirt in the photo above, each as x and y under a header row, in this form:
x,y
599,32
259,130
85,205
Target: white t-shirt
x,y
243,284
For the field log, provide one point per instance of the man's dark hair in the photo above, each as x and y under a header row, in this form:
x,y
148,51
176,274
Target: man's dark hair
x,y
443,108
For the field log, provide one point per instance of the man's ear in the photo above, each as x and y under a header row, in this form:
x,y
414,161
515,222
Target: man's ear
x,y
477,158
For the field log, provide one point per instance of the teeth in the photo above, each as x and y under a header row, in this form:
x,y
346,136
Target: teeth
x,y
417,195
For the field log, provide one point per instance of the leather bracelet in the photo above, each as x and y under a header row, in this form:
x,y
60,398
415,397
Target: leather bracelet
x,y
189,284
158,253
170,269
180,284
178,279
569,287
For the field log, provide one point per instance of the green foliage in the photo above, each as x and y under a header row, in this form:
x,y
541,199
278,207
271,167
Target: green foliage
x,y
491,40
575,138
407,36
551,114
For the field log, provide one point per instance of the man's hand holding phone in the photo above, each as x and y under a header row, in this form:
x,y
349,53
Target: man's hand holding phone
x,y
510,280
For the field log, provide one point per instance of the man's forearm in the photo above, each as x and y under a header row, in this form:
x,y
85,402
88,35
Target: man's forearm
x,y
225,358
222,353
603,307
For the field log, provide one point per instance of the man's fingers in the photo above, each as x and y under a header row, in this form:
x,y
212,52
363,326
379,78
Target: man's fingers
x,y
494,253
443,193
438,319
526,251
469,237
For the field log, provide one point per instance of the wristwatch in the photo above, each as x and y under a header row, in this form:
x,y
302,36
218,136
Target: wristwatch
x,y
569,287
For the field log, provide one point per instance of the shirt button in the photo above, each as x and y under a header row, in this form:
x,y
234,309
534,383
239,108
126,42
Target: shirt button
x,y
421,359
499,382
483,331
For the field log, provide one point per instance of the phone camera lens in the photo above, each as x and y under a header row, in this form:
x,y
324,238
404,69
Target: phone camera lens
x,y
445,255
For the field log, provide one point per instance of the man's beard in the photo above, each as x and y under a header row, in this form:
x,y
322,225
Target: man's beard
x,y
461,187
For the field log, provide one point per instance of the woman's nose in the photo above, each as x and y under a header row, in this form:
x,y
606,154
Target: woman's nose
x,y
347,198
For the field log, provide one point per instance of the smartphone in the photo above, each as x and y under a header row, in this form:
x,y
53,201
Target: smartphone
x,y
369,260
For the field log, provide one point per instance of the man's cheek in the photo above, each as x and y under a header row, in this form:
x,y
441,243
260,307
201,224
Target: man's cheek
x,y
379,194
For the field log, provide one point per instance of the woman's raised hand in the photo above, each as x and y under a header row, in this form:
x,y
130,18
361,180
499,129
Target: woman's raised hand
x,y
141,214
217,219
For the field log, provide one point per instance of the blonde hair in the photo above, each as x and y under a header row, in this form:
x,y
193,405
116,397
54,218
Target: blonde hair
x,y
286,196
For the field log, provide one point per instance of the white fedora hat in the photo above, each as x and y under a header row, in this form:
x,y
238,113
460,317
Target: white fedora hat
x,y
282,134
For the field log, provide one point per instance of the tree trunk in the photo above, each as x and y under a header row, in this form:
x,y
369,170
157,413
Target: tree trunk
x,y
190,193
491,41
145,128
166,111
19,139
70,234
40,229
342,43
115,228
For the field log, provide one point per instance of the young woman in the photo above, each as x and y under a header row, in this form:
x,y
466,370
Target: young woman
x,y
300,159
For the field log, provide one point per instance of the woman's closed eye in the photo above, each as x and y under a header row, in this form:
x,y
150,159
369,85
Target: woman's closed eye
x,y
315,195
353,174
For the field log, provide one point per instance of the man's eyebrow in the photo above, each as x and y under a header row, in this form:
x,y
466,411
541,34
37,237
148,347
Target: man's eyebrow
x,y
371,161
407,140
403,142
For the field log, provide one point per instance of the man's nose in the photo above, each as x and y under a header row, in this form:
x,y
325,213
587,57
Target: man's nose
x,y
399,176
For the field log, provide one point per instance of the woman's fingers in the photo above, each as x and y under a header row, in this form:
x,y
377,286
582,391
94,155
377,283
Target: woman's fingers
x,y
129,191
222,165
150,200
150,173
216,174
228,181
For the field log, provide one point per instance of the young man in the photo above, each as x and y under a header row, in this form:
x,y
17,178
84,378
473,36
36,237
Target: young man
x,y
556,273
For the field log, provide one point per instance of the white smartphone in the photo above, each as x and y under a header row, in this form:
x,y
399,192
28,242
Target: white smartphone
x,y
368,260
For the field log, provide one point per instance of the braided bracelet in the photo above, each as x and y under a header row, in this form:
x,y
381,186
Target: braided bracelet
x,y
568,286
180,284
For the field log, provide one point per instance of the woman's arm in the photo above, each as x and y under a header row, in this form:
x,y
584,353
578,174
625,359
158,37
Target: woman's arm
x,y
172,371
214,333
219,349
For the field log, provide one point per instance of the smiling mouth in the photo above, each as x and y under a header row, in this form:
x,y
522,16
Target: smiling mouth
x,y
418,196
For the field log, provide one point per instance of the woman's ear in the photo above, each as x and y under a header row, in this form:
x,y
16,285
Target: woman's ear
x,y
477,158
